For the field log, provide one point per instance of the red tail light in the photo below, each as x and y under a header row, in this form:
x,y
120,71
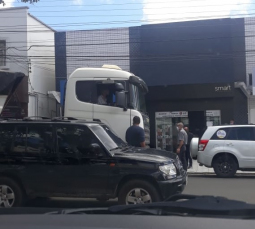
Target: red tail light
x,y
202,145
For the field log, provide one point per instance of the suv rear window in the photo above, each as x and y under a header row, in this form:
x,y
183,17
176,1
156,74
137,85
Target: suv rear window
x,y
235,133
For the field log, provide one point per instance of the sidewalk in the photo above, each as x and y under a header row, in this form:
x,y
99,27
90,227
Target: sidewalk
x,y
202,169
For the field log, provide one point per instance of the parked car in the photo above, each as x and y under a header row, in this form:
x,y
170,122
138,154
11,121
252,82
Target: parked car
x,y
226,149
74,158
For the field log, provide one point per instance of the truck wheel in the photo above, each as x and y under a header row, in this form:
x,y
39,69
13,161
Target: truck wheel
x,y
225,166
11,195
138,192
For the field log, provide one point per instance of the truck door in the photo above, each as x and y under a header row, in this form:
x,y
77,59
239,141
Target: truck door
x,y
115,117
79,102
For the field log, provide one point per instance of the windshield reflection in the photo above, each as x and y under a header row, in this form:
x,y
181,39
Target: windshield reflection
x,y
108,137
137,98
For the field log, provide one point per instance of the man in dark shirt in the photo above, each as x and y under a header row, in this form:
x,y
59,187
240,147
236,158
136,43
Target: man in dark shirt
x,y
188,156
135,134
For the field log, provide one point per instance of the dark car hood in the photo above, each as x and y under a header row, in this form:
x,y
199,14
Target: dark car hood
x,y
144,154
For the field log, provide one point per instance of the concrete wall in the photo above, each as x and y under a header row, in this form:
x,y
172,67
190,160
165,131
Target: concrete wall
x,y
41,55
13,30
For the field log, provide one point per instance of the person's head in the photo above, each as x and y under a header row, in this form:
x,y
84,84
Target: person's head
x,y
186,129
136,120
232,122
179,125
105,92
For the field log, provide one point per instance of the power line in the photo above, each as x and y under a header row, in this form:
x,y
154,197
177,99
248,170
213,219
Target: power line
x,y
123,22
135,9
105,4
127,42
87,34
128,15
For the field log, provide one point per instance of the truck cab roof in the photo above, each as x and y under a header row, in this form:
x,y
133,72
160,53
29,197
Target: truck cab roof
x,y
100,73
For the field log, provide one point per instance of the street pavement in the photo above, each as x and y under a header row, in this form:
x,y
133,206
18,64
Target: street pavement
x,y
241,187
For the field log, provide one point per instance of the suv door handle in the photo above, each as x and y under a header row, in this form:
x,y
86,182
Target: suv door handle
x,y
229,144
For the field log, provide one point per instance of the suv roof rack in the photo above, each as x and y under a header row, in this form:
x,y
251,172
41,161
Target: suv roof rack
x,y
32,118
63,119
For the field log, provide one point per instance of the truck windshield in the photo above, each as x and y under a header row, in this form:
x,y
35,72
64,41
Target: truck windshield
x,y
137,98
108,137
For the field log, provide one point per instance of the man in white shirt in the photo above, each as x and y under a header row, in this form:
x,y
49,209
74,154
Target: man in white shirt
x,y
102,99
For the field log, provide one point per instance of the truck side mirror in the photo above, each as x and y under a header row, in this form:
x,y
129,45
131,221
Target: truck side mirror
x,y
119,87
121,99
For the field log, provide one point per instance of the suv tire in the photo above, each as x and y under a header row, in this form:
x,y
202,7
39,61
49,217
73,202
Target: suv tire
x,y
11,193
138,192
225,166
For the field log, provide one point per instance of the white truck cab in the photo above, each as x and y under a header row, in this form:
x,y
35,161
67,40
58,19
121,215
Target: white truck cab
x,y
125,99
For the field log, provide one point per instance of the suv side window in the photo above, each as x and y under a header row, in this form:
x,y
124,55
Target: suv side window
x,y
221,134
6,138
73,142
242,134
19,140
39,139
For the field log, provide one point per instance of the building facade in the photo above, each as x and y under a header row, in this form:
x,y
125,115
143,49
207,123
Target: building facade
x,y
198,72
27,46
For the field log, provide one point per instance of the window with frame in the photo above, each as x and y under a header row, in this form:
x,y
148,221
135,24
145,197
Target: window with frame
x,y
241,134
86,91
6,138
91,91
74,142
2,53
39,139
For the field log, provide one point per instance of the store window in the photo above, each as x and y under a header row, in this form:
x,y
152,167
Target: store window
x,y
166,130
213,118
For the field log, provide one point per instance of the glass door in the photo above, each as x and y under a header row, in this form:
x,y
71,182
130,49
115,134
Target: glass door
x,y
213,118
166,129
164,133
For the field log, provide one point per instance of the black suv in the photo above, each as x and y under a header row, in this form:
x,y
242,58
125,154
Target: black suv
x,y
75,158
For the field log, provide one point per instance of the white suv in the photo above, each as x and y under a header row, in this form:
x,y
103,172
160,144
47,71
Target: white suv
x,y
226,149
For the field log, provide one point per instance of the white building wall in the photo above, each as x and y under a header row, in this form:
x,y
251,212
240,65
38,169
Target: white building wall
x,y
41,55
13,31
94,48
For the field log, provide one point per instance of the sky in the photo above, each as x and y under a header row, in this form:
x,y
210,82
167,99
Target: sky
x,y
97,14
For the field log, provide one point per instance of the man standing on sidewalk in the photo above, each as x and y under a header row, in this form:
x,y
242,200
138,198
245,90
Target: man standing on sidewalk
x,y
182,142
135,134
188,156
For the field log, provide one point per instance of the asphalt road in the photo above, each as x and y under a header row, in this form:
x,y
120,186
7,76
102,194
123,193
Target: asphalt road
x,y
239,188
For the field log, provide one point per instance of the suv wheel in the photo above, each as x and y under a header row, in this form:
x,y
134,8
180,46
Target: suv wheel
x,y
138,192
11,195
225,166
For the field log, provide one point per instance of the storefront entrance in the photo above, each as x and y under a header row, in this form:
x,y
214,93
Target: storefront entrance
x,y
197,121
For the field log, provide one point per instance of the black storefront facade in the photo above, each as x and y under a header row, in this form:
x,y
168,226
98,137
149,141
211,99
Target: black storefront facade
x,y
192,70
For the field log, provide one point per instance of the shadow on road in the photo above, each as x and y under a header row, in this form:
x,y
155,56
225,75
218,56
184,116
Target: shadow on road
x,y
68,203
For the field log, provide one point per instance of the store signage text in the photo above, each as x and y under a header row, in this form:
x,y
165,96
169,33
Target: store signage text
x,y
223,88
174,114
213,113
